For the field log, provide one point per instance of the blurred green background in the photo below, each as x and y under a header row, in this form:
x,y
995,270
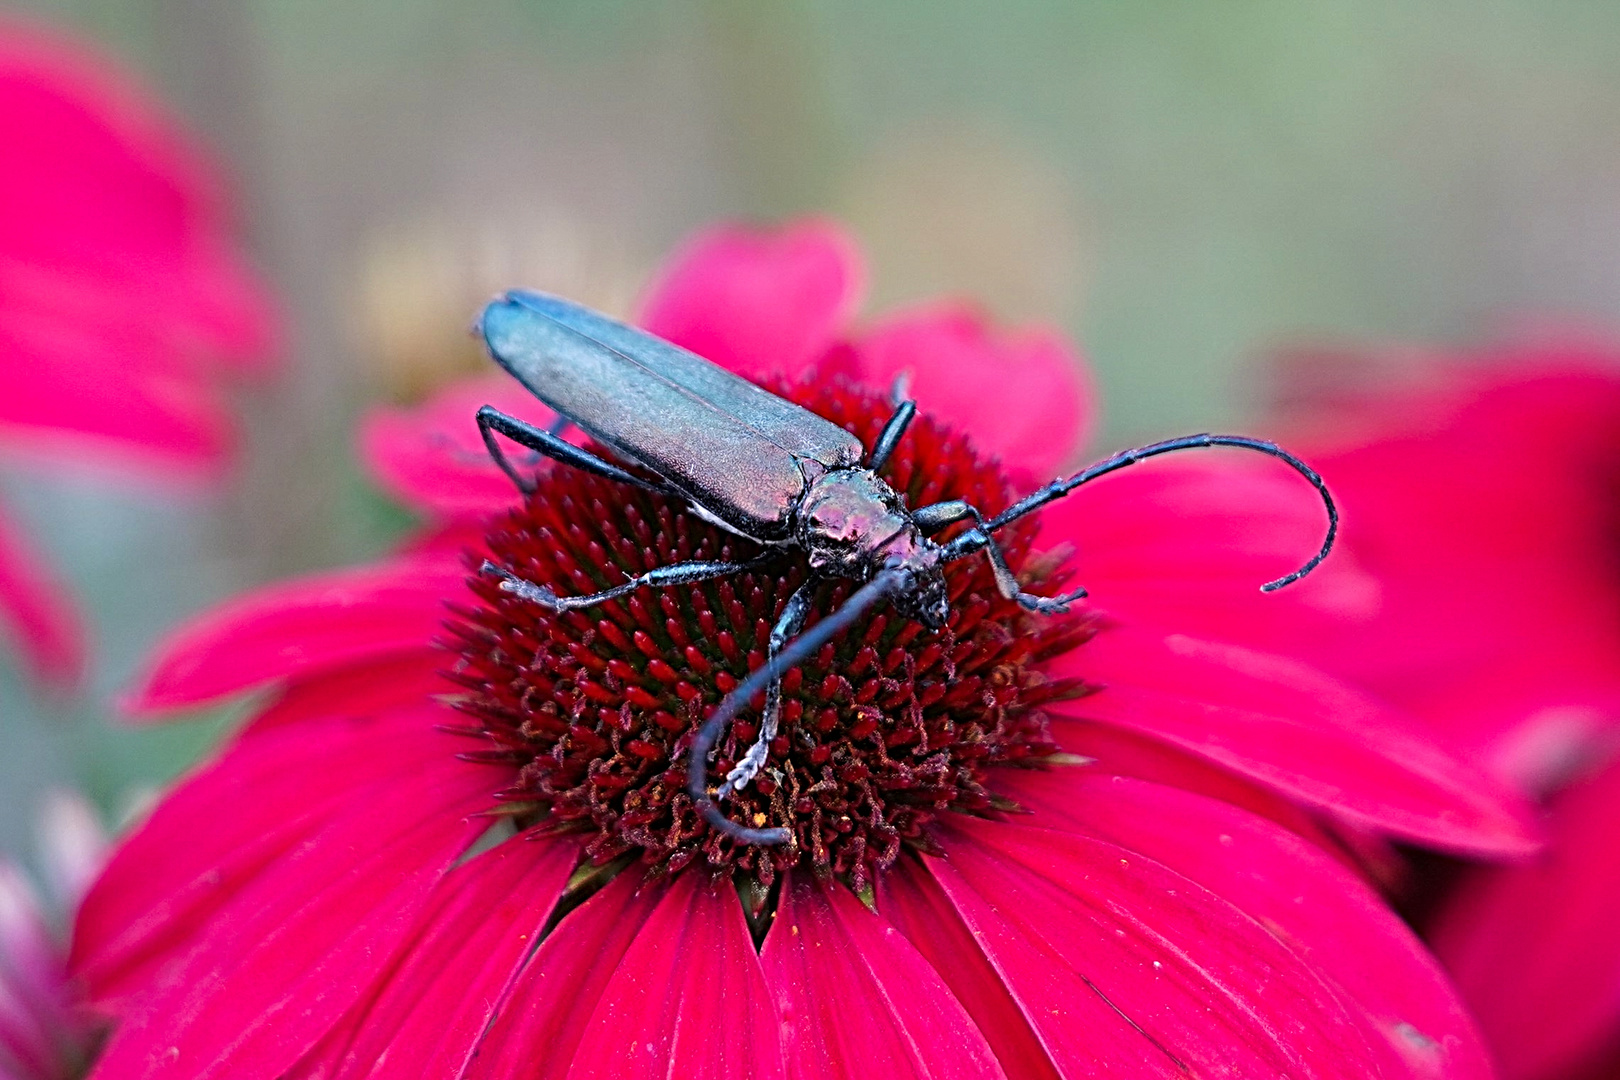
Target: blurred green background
x,y
1183,186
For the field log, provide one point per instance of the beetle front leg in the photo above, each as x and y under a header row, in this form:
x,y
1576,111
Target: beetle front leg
x,y
794,613
933,518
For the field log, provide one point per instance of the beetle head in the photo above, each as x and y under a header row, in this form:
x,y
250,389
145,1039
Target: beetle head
x,y
923,598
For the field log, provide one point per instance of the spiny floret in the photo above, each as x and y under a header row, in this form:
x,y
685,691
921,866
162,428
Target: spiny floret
x,y
886,727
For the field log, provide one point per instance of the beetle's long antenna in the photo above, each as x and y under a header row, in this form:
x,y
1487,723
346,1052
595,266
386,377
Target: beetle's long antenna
x,y
797,651
1059,488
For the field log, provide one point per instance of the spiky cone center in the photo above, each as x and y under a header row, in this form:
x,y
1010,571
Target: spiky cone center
x,y
888,726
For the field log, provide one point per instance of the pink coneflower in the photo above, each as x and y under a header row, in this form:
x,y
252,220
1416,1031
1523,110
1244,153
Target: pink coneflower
x,y
1480,506
1022,847
45,1032
122,303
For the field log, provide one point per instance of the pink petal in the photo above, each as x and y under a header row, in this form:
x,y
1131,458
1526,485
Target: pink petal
x,y
1299,733
115,195
688,999
321,622
73,845
36,614
36,1002
914,904
1123,965
536,1035
1536,948
1023,396
758,301
857,999
362,688
169,879
431,457
63,397
1314,905
271,972
453,974
1473,499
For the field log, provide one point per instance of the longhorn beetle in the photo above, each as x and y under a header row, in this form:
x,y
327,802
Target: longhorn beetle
x,y
766,469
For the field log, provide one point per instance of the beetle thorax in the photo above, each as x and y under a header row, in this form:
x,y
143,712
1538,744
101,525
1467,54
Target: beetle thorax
x,y
851,525
847,516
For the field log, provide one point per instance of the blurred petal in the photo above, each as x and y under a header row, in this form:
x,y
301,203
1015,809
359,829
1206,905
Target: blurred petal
x,y
758,301
1314,905
1119,961
34,996
317,623
1536,948
431,458
65,399
73,845
1297,732
36,614
113,192
1023,396
857,999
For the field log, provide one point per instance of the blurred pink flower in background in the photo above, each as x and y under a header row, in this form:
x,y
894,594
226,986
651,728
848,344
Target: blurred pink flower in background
x,y
123,304
309,902
1481,592
46,1033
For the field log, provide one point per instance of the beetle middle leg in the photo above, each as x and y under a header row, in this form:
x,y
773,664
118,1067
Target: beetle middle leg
x,y
491,421
794,614
931,519
681,573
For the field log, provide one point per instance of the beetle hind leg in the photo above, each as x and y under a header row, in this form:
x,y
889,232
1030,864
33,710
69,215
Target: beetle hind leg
x,y
546,442
787,626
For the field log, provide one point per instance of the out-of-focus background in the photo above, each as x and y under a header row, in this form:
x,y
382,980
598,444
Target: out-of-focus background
x,y
1183,187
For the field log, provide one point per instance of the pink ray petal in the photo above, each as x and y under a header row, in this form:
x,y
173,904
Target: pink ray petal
x,y
36,1003
1123,964
361,688
688,999
1118,752
1298,732
536,1035
291,952
64,398
168,879
1023,396
320,622
758,301
1536,948
914,904
444,986
1312,903
35,614
115,193
857,999
432,458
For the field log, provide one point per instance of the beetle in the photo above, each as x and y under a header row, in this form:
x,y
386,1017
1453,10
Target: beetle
x,y
769,470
